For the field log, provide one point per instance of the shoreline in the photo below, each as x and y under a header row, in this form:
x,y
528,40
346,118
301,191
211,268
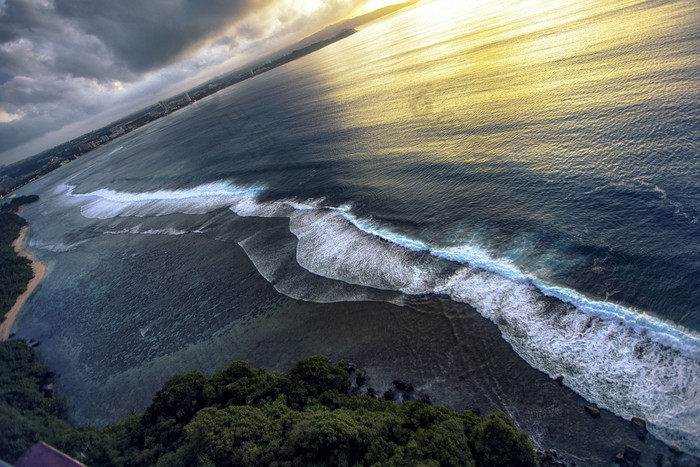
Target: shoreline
x,y
469,366
39,270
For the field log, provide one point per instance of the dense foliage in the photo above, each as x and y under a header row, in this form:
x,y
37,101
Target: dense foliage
x,y
15,203
247,416
28,413
241,415
15,271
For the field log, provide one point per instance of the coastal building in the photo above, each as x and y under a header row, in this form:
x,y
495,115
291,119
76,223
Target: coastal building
x,y
118,130
43,454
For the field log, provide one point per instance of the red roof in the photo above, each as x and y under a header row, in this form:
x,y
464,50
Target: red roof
x,y
43,455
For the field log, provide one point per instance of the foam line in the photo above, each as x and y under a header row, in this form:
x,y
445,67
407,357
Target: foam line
x,y
115,150
219,189
105,203
629,362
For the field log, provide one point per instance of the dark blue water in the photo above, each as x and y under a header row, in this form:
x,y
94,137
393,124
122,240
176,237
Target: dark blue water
x,y
542,168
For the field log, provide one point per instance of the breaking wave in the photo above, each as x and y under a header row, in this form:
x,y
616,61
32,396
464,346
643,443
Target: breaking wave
x,y
621,359
106,204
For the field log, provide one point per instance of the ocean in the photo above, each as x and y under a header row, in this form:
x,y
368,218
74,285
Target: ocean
x,y
475,196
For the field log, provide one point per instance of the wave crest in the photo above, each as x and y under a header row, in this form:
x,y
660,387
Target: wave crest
x,y
628,362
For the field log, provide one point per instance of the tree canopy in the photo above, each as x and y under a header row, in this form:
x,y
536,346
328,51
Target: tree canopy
x,y
308,416
247,416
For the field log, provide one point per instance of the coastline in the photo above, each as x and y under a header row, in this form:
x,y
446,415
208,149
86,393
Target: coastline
x,y
39,270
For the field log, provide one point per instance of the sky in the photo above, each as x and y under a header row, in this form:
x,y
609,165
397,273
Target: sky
x,y
70,66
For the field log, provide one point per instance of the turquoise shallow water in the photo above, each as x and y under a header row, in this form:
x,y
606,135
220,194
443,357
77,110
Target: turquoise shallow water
x,y
538,164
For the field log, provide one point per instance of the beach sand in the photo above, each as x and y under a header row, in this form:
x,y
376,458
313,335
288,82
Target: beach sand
x,y
39,269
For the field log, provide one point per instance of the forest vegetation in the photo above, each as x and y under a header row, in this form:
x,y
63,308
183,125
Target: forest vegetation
x,y
314,414
248,416
15,271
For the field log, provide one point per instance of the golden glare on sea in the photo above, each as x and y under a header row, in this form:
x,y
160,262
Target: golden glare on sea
x,y
377,4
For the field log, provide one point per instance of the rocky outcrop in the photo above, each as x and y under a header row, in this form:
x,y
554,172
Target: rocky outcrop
x,y
630,456
640,428
550,458
398,391
675,450
663,460
592,411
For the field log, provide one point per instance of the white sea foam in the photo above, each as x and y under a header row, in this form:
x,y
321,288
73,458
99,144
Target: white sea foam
x,y
629,362
137,230
105,203
115,150
55,247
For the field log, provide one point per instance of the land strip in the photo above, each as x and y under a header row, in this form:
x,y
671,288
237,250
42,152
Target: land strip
x,y
39,269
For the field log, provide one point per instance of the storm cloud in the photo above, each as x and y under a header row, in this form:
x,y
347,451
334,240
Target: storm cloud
x,y
63,61
147,35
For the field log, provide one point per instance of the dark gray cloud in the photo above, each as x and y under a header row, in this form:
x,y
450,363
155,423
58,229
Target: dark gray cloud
x,y
19,17
107,39
35,42
41,102
146,35
16,133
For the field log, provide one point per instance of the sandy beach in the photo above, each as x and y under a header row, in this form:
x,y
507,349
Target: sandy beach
x,y
39,269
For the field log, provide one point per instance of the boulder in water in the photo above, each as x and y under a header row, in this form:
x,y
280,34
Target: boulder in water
x,y
632,455
592,411
640,428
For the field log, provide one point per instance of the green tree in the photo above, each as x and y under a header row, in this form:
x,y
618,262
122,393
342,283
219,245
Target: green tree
x,y
15,271
312,378
498,442
327,438
231,436
27,410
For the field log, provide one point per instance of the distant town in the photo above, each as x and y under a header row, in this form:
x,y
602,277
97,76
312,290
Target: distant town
x,y
26,171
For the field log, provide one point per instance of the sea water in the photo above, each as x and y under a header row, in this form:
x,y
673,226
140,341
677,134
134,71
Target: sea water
x,y
538,161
